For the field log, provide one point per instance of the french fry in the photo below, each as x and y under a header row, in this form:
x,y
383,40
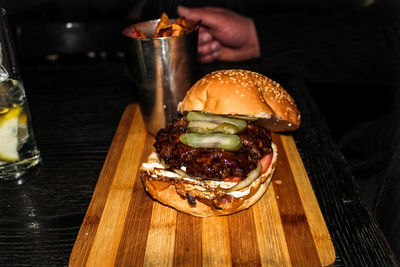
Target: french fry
x,y
164,22
164,32
182,21
164,28
134,32
178,30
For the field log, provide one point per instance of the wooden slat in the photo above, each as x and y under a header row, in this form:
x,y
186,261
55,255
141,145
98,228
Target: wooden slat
x,y
299,240
188,248
137,222
215,238
125,227
273,248
91,221
243,239
111,226
160,245
319,231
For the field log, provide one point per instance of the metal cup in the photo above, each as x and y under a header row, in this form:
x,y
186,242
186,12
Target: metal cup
x,y
163,69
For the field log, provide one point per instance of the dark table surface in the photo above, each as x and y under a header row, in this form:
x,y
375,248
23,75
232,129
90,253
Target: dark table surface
x,y
76,109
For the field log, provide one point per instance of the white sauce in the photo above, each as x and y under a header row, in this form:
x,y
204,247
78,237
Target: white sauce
x,y
238,194
159,169
153,165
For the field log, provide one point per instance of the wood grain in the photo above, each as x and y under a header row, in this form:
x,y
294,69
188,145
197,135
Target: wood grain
x,y
137,222
188,239
215,238
285,228
273,250
161,237
243,239
113,217
309,201
301,246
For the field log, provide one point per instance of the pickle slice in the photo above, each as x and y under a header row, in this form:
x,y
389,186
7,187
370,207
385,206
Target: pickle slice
x,y
227,142
197,116
211,127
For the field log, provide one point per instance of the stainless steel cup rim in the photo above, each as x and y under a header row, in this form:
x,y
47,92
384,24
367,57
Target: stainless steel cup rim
x,y
148,27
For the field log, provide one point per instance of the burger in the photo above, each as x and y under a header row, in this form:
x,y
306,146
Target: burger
x,y
218,157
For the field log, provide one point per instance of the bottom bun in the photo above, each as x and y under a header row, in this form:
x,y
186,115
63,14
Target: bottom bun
x,y
199,197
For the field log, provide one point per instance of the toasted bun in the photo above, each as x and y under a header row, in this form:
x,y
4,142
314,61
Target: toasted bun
x,y
210,197
242,92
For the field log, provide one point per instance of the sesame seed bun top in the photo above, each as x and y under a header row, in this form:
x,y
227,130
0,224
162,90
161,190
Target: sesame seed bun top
x,y
242,92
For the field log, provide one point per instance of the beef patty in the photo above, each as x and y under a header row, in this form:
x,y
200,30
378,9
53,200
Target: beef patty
x,y
212,163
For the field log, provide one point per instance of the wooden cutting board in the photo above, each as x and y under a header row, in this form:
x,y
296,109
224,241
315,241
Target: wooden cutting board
x,y
123,226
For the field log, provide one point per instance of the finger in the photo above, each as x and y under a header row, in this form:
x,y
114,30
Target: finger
x,y
209,57
202,29
204,37
209,47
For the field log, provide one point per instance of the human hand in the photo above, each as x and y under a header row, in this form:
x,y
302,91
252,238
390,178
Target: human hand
x,y
223,34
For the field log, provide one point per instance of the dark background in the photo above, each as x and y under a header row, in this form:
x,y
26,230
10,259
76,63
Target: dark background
x,y
347,53
359,84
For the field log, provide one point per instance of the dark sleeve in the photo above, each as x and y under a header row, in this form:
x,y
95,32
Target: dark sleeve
x,y
350,46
